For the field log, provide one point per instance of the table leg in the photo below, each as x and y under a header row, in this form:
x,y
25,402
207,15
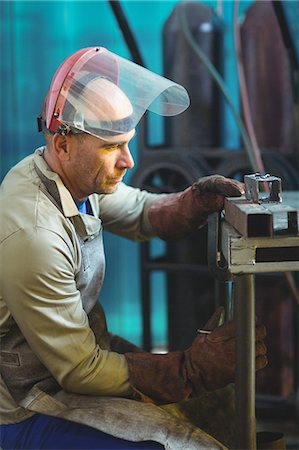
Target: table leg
x,y
244,311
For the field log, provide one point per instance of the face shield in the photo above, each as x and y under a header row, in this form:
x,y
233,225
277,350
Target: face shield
x,y
98,92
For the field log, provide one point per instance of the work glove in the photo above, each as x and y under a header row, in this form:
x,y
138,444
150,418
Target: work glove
x,y
207,365
176,215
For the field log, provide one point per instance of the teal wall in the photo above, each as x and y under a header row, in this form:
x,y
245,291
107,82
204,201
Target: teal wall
x,y
35,37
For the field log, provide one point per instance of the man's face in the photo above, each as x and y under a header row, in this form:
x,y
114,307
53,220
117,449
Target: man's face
x,y
97,166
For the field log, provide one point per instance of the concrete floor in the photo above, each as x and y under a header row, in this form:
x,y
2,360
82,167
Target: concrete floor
x,y
288,427
279,417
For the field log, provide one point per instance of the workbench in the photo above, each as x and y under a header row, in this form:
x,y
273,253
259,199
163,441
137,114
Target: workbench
x,y
238,256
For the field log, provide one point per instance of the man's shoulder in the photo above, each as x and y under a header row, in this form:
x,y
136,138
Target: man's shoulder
x,y
24,205
15,193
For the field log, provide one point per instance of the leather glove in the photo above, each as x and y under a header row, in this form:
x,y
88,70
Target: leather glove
x,y
207,365
176,215
213,355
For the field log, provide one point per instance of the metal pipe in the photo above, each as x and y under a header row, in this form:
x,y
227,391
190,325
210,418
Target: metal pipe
x,y
146,301
126,32
244,311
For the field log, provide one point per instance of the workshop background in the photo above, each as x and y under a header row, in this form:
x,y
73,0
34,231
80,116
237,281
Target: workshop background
x,y
36,36
158,294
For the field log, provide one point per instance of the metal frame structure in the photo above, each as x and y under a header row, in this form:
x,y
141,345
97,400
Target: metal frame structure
x,y
238,258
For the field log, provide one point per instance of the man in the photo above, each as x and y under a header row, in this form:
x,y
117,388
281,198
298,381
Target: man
x,y
66,382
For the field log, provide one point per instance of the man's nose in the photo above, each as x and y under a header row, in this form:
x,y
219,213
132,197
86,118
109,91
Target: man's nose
x,y
126,159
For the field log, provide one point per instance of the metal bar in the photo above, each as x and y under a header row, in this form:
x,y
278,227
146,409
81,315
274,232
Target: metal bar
x,y
287,35
244,310
223,297
216,263
171,267
146,301
251,255
277,254
261,220
249,219
126,31
285,219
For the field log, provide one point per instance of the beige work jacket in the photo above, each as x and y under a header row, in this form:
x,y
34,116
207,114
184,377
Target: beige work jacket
x,y
52,269
57,357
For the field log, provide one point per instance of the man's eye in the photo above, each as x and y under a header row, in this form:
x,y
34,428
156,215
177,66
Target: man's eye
x,y
112,147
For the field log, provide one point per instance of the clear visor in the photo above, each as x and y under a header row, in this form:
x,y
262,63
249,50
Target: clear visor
x,y
104,95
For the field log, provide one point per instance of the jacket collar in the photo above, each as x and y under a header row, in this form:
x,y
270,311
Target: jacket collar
x,y
55,186
86,225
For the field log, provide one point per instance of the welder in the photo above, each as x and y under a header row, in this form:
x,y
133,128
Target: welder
x,y
58,359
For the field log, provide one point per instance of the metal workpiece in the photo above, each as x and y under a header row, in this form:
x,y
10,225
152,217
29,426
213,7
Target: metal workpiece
x,y
252,219
260,237
261,213
262,188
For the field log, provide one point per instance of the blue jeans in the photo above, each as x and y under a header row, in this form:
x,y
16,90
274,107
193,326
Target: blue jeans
x,y
42,432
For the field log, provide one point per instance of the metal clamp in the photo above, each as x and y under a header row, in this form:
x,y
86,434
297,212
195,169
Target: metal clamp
x,y
216,262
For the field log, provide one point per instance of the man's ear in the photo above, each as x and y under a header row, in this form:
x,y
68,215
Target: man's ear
x,y
62,147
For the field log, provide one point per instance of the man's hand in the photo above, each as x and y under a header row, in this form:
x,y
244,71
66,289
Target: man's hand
x,y
208,364
176,215
218,184
211,361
